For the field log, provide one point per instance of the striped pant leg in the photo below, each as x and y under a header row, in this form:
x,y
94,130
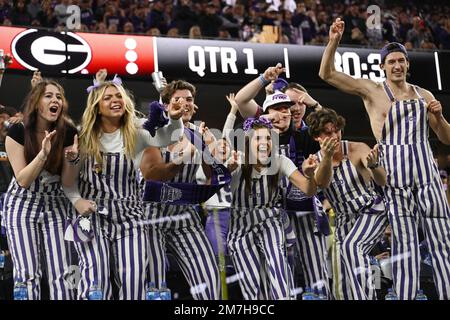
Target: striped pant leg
x,y
195,256
401,206
274,248
94,262
355,249
21,215
130,253
435,216
341,279
57,252
246,259
157,254
313,253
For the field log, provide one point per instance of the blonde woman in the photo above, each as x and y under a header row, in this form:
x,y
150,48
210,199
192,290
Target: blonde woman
x,y
110,213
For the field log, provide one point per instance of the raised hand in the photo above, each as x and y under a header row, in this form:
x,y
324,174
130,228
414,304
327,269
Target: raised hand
x,y
101,74
272,73
71,154
309,165
372,157
337,29
306,99
234,160
176,108
36,78
232,101
328,146
47,143
208,137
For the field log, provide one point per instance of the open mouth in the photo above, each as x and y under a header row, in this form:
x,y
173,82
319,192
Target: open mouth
x,y
116,107
54,109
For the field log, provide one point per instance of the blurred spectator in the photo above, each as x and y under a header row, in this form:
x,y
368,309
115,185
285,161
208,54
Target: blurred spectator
x,y
184,17
128,28
61,11
47,17
86,14
113,28
114,16
7,22
195,32
19,14
289,32
224,34
322,28
301,21
156,17
444,35
210,22
137,18
229,22
271,16
173,33
404,26
101,28
153,32
355,26
417,34
306,26
5,10
33,8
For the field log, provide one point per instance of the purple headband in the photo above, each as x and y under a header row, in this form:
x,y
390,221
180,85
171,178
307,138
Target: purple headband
x,y
116,80
250,122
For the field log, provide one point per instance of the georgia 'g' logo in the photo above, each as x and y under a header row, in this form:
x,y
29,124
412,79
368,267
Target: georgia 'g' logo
x,y
37,49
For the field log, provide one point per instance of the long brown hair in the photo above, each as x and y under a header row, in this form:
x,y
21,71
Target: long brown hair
x,y
247,167
31,113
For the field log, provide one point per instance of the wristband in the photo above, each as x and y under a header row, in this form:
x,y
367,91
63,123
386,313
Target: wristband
x,y
263,81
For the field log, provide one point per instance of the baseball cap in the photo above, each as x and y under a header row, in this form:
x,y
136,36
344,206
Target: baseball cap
x,y
277,98
392,47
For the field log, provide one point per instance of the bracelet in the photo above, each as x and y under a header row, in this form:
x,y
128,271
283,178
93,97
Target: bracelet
x,y
264,82
75,161
314,105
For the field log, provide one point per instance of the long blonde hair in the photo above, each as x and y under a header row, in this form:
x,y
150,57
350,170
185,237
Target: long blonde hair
x,y
91,130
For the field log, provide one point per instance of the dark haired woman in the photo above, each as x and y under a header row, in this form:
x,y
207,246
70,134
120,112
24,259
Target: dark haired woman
x,y
256,240
35,205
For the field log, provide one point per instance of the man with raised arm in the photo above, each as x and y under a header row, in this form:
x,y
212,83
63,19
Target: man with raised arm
x,y
400,116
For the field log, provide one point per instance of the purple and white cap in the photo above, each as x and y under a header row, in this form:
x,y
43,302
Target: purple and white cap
x,y
277,98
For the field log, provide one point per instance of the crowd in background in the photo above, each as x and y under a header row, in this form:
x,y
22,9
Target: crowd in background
x,y
417,24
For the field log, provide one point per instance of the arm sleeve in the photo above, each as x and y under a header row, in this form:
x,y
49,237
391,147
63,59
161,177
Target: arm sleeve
x,y
287,167
229,125
16,132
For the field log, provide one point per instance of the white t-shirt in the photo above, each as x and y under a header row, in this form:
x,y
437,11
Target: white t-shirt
x,y
281,164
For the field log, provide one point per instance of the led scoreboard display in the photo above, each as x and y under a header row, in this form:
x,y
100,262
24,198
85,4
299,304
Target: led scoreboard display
x,y
207,61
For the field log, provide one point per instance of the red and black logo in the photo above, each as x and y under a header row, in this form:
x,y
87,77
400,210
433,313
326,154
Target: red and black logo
x,y
51,52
